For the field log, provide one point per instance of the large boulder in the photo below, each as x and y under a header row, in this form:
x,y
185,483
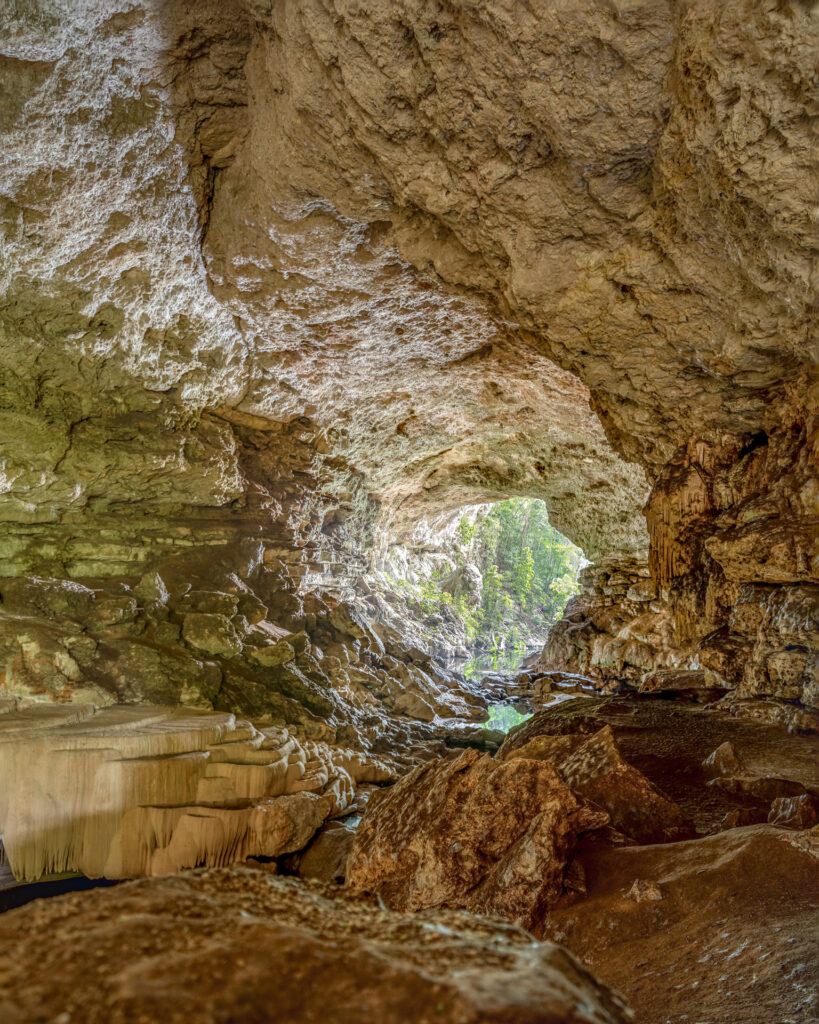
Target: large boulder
x,y
492,837
221,946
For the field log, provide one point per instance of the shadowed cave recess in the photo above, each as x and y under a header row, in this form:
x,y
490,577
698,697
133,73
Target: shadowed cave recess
x,y
303,306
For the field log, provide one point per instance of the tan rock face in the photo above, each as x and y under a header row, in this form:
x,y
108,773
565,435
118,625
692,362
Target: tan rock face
x,y
605,781
351,266
733,563
210,946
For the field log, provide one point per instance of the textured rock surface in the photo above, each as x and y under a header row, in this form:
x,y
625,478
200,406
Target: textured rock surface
x,y
721,929
303,660
131,791
144,348
352,266
670,744
716,925
215,946
472,832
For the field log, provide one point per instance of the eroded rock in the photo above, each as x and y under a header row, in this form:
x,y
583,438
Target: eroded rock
x,y
208,946
493,837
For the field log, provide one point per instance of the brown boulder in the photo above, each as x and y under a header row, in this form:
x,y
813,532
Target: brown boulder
x,y
593,768
597,772
229,945
492,837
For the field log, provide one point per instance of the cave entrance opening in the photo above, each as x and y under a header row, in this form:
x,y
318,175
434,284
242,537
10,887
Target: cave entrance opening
x,y
488,590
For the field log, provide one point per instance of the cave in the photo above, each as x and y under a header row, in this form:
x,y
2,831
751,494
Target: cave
x,y
293,295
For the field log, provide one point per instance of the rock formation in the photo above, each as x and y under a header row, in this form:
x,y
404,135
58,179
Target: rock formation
x,y
491,837
130,791
721,928
354,265
667,841
285,285
216,945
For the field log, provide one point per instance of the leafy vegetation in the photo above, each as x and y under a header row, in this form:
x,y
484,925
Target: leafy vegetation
x,y
529,572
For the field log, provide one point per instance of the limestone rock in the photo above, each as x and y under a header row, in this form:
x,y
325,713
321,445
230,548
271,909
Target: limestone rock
x,y
151,588
582,305
211,633
472,832
325,856
414,705
465,582
695,954
665,743
722,760
274,655
794,811
213,945
126,791
597,772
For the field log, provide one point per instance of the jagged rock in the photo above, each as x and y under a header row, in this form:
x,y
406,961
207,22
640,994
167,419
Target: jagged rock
x,y
465,582
643,890
211,634
274,655
325,856
151,588
476,833
554,749
413,705
722,760
209,602
666,742
214,945
676,680
794,811
126,791
596,771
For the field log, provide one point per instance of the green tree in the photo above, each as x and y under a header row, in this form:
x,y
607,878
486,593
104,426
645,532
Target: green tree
x,y
524,576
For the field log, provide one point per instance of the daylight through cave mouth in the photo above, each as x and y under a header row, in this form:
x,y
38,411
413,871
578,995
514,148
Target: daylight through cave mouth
x,y
485,590
283,284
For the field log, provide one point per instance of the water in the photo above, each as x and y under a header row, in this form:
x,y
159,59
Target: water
x,y
504,717
505,661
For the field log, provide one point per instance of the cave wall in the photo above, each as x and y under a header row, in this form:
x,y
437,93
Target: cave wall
x,y
730,592
279,276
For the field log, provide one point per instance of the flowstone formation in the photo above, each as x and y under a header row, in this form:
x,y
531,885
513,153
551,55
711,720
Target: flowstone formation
x,y
285,283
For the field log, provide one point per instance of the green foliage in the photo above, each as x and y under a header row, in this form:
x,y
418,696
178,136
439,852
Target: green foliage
x,y
529,573
467,531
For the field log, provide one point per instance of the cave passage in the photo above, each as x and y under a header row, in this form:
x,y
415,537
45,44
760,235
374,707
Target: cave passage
x,y
408,445
485,590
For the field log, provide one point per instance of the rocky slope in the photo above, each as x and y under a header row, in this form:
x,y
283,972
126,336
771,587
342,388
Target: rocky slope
x,y
671,845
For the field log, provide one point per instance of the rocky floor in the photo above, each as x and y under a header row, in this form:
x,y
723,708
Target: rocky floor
x,y
721,929
239,945
669,845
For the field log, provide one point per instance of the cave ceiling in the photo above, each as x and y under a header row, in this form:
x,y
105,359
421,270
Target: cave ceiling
x,y
479,250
